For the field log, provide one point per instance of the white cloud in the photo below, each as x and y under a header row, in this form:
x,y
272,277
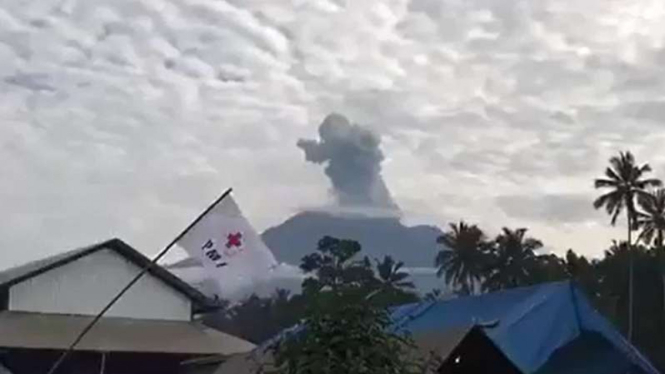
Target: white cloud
x,y
127,117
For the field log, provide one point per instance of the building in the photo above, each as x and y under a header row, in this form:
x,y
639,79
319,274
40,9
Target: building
x,y
464,350
545,329
151,329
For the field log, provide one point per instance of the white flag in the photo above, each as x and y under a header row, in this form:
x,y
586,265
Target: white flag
x,y
233,255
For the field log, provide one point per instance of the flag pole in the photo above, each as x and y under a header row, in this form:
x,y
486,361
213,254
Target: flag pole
x,y
117,297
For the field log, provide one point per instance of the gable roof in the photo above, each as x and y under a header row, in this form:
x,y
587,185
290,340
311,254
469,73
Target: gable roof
x,y
531,325
470,345
32,269
442,344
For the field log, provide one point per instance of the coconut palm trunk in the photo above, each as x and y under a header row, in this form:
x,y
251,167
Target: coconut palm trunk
x,y
631,266
661,264
662,276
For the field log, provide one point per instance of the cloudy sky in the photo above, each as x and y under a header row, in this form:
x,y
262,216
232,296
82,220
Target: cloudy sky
x,y
127,117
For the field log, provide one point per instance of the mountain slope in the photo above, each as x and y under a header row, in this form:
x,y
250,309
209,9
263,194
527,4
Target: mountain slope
x,y
299,235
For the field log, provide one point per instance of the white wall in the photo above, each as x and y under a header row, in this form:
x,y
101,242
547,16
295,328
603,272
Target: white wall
x,y
86,285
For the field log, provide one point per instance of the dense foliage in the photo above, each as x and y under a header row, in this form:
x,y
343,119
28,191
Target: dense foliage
x,y
351,338
346,327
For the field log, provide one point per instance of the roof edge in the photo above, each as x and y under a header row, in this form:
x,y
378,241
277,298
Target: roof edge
x,y
201,301
82,252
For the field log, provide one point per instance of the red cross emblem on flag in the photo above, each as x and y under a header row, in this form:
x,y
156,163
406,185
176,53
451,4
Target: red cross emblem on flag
x,y
234,240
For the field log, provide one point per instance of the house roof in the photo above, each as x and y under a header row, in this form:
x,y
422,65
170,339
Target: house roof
x,y
29,270
441,344
51,331
532,326
461,350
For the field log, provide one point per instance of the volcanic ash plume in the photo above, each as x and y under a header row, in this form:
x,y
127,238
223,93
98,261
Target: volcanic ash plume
x,y
352,158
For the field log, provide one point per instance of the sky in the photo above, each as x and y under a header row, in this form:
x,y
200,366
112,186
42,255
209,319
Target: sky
x,y
126,118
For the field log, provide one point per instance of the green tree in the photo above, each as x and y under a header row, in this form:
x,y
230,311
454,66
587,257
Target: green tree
x,y
613,275
549,268
335,265
463,260
258,318
514,262
353,338
393,286
584,272
391,275
344,329
651,218
624,180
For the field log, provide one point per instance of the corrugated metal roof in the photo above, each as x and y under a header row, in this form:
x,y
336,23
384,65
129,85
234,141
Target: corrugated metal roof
x,y
50,331
21,273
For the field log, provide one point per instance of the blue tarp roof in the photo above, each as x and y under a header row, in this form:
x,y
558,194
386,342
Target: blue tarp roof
x,y
549,328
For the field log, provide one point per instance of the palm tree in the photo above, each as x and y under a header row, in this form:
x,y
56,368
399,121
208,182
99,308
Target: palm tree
x,y
335,266
433,295
613,276
549,268
624,180
391,274
391,286
651,220
514,261
585,273
463,260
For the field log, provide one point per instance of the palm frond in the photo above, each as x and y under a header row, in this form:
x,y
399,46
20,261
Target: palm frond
x,y
446,240
650,183
615,215
398,277
647,204
617,162
646,236
612,175
602,200
405,285
644,168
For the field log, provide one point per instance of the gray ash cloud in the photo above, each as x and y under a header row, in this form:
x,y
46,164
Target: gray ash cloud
x,y
352,157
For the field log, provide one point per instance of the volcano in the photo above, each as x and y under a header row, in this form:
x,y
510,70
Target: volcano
x,y
379,236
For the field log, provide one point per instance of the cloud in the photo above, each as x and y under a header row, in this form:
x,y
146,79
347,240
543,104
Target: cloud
x,y
127,118
34,82
550,208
